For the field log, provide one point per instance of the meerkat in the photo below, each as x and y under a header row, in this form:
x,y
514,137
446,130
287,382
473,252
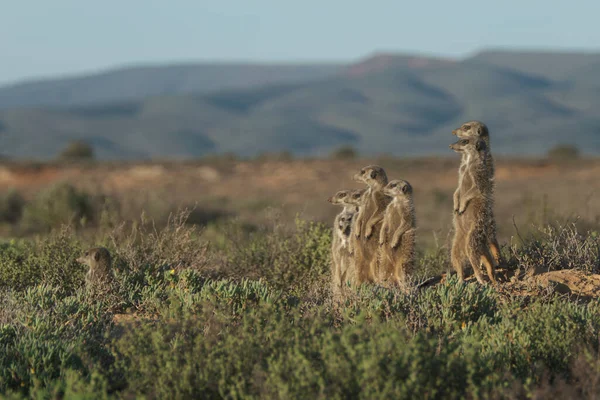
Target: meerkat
x,y
342,268
368,222
397,235
99,262
345,272
479,130
472,212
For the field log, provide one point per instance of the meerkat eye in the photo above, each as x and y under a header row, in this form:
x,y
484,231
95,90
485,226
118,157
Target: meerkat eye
x,y
464,142
466,127
394,185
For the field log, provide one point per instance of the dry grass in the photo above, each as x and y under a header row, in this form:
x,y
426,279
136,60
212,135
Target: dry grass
x,y
530,191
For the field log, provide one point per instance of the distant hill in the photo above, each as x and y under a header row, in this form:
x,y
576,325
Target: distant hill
x,y
389,103
136,83
552,65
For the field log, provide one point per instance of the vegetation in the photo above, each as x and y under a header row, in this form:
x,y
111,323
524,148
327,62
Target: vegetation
x,y
59,204
253,318
11,207
77,150
344,153
564,152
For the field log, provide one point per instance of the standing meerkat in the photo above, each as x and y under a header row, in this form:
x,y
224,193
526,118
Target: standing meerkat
x,y
342,268
478,130
99,262
397,236
368,222
472,212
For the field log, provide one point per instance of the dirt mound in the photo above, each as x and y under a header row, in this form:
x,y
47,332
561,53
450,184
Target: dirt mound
x,y
574,283
571,282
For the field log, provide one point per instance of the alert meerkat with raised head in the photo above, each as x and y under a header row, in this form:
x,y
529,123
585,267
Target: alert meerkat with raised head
x,y
471,217
368,222
397,236
479,130
342,268
99,263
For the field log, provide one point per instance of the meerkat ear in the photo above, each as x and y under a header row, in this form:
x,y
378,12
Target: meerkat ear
x,y
405,189
480,145
97,256
373,174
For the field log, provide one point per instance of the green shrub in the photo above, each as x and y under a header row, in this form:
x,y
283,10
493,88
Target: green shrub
x,y
50,261
77,150
60,204
257,322
344,153
557,247
292,260
563,152
53,334
11,207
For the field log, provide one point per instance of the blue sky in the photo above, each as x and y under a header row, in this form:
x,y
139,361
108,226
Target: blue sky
x,y
61,37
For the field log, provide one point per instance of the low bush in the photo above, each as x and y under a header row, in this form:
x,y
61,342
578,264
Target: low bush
x,y
57,205
77,150
557,247
344,153
294,260
11,207
563,152
255,320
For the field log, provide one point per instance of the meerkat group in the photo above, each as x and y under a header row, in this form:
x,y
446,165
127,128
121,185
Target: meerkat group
x,y
374,235
378,245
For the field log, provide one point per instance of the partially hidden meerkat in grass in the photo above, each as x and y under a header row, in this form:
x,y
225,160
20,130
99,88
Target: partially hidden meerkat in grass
x,y
368,222
479,130
471,215
397,236
99,262
342,268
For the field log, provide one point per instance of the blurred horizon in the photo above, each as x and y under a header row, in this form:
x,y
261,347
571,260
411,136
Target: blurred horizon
x,y
185,79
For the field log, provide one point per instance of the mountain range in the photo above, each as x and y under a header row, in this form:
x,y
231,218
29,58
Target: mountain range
x,y
396,104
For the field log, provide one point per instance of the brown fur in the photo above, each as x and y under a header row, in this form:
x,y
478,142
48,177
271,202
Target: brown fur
x,y
472,212
99,262
368,222
477,129
342,268
397,236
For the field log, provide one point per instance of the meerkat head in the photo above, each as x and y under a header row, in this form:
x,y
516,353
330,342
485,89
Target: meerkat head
x,y
94,257
398,188
372,175
469,146
356,197
341,197
472,129
345,223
